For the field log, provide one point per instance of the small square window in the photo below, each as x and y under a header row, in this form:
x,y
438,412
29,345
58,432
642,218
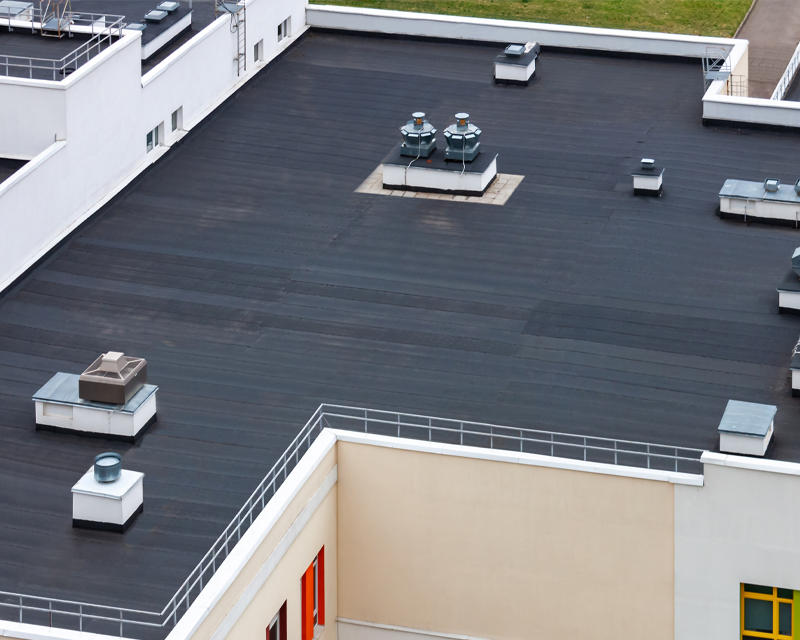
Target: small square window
x,y
177,120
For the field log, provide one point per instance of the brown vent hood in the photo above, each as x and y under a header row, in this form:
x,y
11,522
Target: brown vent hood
x,y
113,378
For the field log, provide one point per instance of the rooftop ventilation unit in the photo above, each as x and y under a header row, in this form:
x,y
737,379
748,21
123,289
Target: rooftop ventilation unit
x,y
170,6
796,262
517,64
107,467
113,378
746,428
155,15
419,137
648,179
13,10
107,497
463,140
771,185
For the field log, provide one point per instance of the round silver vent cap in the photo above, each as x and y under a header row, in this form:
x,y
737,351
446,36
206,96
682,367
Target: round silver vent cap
x,y
107,467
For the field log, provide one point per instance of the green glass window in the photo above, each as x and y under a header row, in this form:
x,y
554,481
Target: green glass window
x,y
766,612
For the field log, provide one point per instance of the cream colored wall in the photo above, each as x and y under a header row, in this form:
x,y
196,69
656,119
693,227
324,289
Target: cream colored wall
x,y
283,583
741,68
503,551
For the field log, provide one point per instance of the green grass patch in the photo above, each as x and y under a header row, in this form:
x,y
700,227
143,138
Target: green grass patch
x,y
695,17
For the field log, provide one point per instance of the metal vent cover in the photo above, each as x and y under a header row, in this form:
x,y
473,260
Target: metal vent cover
x,y
463,140
113,378
419,137
107,467
771,184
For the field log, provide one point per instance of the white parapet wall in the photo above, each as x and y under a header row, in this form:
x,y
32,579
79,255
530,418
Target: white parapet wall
x,y
721,541
85,136
717,105
487,30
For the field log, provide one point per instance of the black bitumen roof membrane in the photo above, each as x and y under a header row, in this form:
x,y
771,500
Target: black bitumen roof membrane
x,y
8,167
258,284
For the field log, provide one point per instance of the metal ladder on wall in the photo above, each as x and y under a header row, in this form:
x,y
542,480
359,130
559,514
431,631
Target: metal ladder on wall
x,y
241,38
238,13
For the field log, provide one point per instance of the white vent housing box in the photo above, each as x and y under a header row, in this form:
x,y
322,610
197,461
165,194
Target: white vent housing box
x,y
746,428
107,506
60,408
648,179
517,64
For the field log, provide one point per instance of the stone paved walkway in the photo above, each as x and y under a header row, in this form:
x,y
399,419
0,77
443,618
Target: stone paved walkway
x,y
773,29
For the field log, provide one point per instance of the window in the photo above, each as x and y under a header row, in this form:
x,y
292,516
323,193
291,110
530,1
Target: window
x,y
258,51
177,119
152,138
312,600
277,628
766,612
284,28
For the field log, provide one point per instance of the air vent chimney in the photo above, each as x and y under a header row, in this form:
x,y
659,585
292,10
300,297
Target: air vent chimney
x,y
419,137
463,140
107,467
771,184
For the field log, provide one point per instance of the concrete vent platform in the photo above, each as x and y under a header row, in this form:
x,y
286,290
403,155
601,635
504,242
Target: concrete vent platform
x,y
437,175
746,428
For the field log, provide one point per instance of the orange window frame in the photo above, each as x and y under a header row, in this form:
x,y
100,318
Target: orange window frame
x,y
308,596
775,614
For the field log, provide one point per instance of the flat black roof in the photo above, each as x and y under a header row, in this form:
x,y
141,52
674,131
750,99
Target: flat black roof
x,y
8,167
258,285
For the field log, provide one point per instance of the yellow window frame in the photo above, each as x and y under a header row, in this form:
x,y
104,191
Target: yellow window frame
x,y
775,614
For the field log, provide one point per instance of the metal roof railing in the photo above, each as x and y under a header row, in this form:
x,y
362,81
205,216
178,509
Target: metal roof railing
x,y
100,28
788,76
100,618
